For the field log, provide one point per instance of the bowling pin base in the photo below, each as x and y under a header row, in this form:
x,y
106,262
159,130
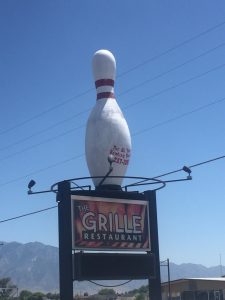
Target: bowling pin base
x,y
108,187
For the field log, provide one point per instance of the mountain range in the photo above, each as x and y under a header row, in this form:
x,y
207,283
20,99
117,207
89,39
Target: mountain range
x,y
34,266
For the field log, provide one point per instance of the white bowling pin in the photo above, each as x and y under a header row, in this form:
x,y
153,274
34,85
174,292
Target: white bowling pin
x,y
107,131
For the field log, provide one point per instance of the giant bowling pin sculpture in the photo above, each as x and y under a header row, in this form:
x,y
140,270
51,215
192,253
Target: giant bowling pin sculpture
x,y
107,132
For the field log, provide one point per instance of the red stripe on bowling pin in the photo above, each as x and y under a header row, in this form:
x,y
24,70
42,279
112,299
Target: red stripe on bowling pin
x,y
104,82
105,95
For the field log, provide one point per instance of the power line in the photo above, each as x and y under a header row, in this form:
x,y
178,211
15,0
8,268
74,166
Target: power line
x,y
135,134
175,86
45,112
43,142
44,130
28,214
180,116
120,94
159,176
144,99
192,166
124,108
207,161
120,75
42,169
174,47
174,68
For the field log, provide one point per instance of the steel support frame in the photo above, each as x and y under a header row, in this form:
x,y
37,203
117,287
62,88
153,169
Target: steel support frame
x,y
65,241
154,283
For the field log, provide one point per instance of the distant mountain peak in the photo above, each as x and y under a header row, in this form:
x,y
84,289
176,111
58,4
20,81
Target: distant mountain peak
x,y
34,266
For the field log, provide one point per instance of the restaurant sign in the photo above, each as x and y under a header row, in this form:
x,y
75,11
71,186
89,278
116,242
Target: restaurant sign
x,y
100,223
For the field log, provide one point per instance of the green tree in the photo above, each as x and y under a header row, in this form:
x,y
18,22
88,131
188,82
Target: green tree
x,y
53,296
143,289
140,297
36,296
7,289
24,295
107,292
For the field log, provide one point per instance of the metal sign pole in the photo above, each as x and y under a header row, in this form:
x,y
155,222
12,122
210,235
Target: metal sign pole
x,y
65,241
154,283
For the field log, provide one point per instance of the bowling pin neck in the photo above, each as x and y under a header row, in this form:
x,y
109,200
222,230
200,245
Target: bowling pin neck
x,y
105,88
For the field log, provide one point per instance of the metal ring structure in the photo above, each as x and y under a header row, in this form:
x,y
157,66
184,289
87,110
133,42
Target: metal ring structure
x,y
140,182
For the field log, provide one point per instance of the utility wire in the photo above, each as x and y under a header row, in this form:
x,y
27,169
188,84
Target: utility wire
x,y
207,161
159,176
45,112
120,75
42,169
175,86
185,42
44,130
192,166
177,67
28,214
180,116
134,134
43,142
124,108
120,94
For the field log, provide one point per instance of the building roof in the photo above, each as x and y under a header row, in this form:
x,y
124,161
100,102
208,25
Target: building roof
x,y
194,284
209,278
218,279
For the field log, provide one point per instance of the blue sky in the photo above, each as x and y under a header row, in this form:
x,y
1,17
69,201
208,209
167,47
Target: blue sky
x,y
46,90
